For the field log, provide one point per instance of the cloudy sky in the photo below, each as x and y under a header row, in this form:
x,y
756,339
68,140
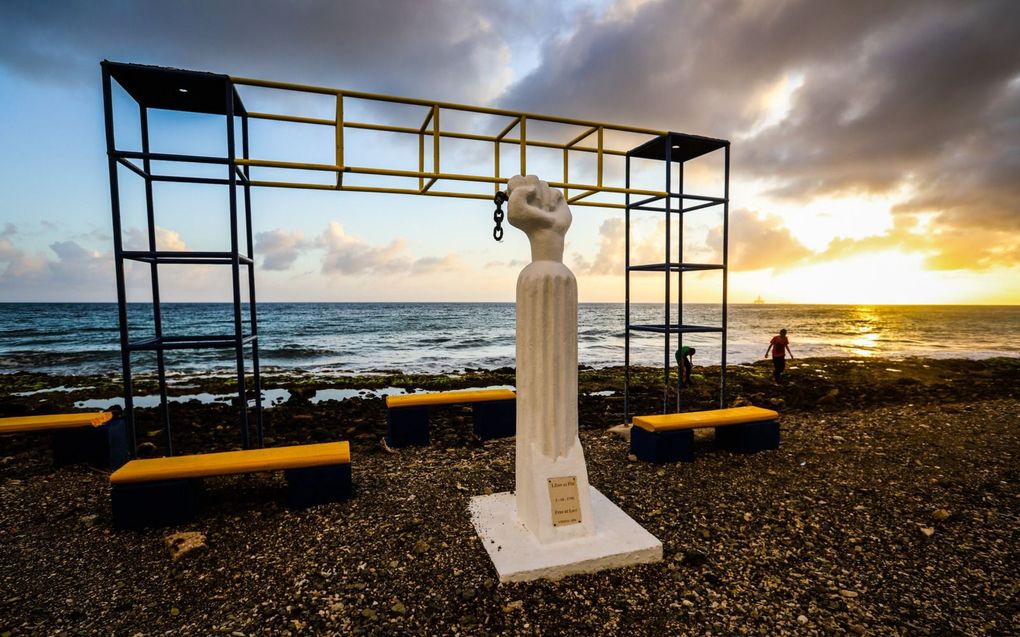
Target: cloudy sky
x,y
876,145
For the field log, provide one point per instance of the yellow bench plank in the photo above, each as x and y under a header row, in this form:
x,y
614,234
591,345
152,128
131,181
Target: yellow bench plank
x,y
713,418
55,421
449,398
231,462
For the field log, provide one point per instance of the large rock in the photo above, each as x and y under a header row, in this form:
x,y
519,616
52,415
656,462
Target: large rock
x,y
185,543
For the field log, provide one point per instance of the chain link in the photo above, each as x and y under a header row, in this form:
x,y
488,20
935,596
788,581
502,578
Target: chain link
x,y
497,216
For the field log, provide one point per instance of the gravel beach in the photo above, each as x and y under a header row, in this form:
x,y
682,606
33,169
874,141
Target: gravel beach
x,y
891,507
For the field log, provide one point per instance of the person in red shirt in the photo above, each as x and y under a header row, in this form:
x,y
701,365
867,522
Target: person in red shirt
x,y
779,346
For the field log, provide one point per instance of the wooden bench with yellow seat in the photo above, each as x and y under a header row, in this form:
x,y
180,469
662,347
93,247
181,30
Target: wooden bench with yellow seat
x,y
96,438
166,491
670,437
494,412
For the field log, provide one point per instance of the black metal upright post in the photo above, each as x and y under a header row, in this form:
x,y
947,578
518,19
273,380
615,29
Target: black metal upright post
x,y
678,148
235,268
194,92
157,311
252,314
725,274
680,275
118,262
626,298
666,274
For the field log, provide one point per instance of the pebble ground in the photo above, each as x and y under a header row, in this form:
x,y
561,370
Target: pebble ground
x,y
899,519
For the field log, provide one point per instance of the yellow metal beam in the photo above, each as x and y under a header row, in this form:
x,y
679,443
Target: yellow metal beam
x,y
421,148
339,126
435,139
581,136
386,128
431,127
406,191
415,174
566,172
577,198
380,97
524,147
509,127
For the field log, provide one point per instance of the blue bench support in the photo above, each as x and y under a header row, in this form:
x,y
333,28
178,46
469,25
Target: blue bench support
x,y
407,426
494,412
495,419
153,504
318,485
663,446
105,446
670,437
173,502
165,491
751,437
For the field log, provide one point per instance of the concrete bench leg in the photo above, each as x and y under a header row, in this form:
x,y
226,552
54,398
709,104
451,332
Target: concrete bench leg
x,y
318,485
664,446
105,446
749,438
162,503
407,426
495,419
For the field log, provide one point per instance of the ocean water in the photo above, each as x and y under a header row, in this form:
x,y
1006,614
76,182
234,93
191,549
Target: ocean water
x,y
340,338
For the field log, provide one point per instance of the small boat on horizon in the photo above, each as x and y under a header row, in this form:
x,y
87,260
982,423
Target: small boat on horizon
x,y
759,301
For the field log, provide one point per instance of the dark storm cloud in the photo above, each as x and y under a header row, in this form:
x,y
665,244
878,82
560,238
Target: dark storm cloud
x,y
442,48
918,97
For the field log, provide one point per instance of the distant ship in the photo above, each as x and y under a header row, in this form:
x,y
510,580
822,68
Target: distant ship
x,y
759,301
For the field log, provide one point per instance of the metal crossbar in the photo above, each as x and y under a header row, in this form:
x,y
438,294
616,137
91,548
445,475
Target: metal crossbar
x,y
431,128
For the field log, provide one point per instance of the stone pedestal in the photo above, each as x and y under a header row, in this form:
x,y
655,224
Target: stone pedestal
x,y
616,540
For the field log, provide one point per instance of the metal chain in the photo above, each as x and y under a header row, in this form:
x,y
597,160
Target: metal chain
x,y
499,199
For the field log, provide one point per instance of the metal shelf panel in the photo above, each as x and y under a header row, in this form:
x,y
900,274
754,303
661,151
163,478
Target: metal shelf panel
x,y
165,343
175,256
661,328
675,267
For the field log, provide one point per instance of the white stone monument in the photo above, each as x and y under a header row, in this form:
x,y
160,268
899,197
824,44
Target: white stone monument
x,y
555,524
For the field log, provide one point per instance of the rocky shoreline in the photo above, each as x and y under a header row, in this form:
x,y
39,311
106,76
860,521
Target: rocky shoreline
x,y
890,508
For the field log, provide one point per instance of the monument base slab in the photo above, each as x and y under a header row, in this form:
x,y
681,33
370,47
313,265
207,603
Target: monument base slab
x,y
618,541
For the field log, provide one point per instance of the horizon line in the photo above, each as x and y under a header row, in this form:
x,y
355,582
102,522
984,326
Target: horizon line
x,y
260,303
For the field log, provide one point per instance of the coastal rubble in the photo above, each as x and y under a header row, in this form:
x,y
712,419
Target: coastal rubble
x,y
823,536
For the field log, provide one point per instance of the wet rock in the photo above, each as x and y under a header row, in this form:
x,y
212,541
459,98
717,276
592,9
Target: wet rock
x,y
829,396
694,558
621,431
184,543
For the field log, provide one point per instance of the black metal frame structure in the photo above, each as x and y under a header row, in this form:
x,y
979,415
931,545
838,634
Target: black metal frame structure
x,y
216,94
194,92
675,148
